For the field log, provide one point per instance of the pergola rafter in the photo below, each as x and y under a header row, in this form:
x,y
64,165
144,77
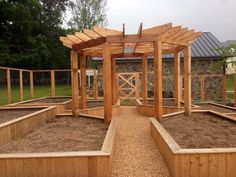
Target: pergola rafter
x,y
111,44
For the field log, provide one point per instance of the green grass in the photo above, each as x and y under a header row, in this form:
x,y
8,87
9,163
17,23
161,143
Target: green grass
x,y
127,102
39,91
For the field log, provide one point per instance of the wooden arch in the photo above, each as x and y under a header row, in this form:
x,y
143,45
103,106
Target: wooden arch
x,y
109,44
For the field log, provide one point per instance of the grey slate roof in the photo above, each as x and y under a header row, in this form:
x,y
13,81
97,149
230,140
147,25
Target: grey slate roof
x,y
204,47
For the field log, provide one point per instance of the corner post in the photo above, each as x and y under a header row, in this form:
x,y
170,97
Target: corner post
x,y
158,80
83,81
107,82
74,83
187,80
177,82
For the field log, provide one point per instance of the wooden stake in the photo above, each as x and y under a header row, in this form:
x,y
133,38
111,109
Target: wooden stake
x,y
107,82
224,94
83,81
31,84
158,80
137,85
202,91
52,83
177,86
187,81
144,79
74,83
95,84
234,90
9,86
114,84
21,85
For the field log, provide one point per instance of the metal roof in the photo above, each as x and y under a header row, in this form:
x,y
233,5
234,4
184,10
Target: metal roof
x,y
204,47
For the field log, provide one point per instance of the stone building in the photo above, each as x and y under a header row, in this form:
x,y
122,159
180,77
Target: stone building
x,y
204,55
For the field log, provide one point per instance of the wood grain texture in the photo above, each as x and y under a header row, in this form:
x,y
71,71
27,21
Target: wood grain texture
x,y
83,81
187,80
177,81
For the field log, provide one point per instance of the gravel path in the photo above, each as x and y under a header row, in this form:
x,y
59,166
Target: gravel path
x,y
136,154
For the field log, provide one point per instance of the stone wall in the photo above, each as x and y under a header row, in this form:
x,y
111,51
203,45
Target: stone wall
x,y
213,81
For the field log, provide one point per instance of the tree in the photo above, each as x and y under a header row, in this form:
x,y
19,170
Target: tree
x,y
87,13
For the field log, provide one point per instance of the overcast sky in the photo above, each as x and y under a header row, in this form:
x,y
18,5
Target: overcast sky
x,y
216,16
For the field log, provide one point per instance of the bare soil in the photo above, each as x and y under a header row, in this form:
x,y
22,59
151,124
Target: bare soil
x,y
95,104
11,114
201,130
166,102
215,108
48,100
61,135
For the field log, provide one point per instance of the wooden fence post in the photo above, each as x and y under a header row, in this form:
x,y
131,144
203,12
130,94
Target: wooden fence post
x,y
224,94
95,78
31,84
21,85
52,82
202,87
137,85
9,85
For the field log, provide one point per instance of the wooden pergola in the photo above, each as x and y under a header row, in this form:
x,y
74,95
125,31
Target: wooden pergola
x,y
110,44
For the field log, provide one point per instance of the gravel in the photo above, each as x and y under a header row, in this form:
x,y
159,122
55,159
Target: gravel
x,y
136,154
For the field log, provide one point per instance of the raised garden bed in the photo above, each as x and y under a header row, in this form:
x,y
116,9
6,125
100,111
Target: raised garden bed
x,y
15,122
61,103
62,147
201,145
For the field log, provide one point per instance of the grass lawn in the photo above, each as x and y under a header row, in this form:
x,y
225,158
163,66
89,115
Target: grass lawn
x,y
39,91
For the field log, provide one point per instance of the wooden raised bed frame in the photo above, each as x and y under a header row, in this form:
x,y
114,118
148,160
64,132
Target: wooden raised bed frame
x,y
60,107
61,164
212,162
19,127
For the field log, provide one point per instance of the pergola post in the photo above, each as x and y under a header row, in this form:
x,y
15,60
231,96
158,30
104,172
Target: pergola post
x,y
187,80
83,81
177,88
74,83
107,82
52,82
144,79
158,80
114,85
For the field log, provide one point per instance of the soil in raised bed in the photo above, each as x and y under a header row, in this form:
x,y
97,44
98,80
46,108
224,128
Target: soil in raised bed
x,y
63,134
201,130
95,104
48,100
11,114
165,102
215,108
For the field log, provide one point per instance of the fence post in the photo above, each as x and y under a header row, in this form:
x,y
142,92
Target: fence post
x,y
21,85
31,84
95,84
52,82
224,89
9,85
137,85
202,87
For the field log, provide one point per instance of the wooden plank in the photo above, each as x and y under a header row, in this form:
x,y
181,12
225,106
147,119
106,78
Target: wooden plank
x,y
107,82
83,81
88,44
52,82
203,165
92,34
158,80
202,88
213,165
177,86
95,80
144,78
83,37
187,80
74,83
9,98
21,85
234,90
31,84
